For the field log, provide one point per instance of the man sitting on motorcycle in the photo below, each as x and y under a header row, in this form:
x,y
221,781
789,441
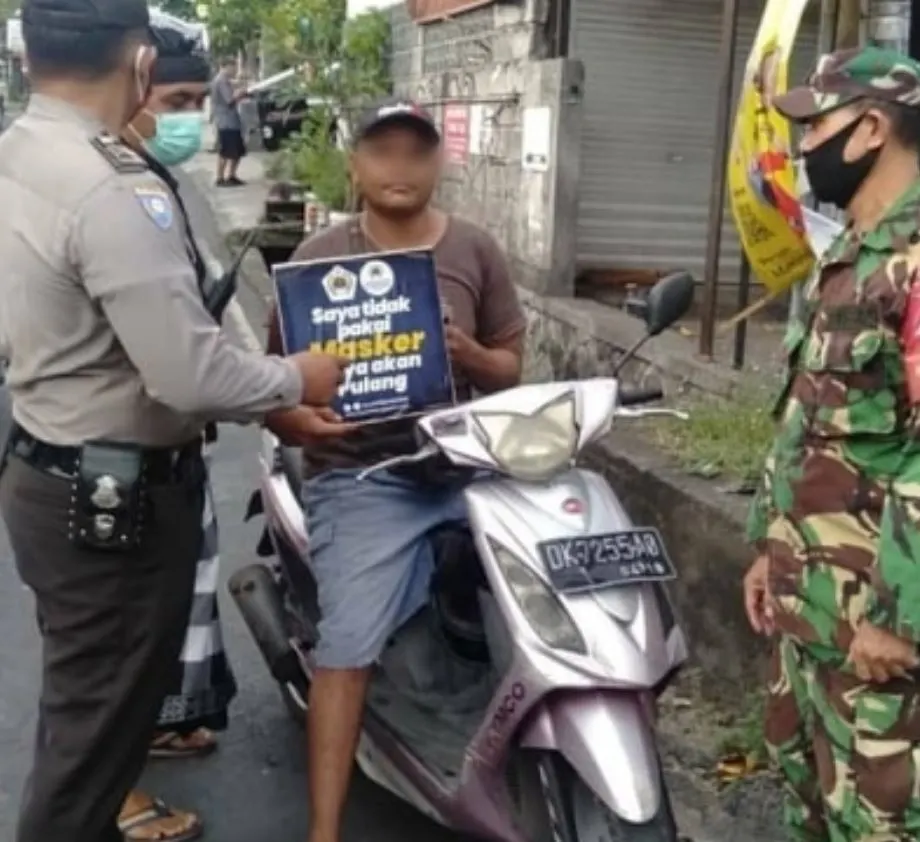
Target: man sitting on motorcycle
x,y
368,540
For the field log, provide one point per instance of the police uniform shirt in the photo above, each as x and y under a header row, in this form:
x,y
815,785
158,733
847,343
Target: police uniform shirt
x,y
100,311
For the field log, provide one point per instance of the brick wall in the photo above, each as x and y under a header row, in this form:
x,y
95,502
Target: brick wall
x,y
488,62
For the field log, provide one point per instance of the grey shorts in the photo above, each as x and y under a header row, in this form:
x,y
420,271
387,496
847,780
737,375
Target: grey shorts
x,y
371,557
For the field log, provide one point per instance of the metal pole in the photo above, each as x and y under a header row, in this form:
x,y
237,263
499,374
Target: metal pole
x,y
744,295
888,24
717,193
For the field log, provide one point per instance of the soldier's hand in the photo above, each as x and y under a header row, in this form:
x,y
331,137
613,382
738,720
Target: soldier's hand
x,y
306,425
758,603
322,374
878,655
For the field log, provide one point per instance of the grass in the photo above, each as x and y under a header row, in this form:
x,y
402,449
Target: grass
x,y
744,734
722,438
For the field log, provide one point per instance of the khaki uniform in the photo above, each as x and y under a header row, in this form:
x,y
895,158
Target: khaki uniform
x,y
102,317
108,340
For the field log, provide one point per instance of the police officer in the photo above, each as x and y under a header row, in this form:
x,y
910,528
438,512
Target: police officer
x,y
837,518
114,368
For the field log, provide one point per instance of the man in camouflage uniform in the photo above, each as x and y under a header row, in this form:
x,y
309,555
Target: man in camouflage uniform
x,y
837,518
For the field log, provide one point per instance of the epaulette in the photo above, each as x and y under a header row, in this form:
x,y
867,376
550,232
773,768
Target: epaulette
x,y
122,158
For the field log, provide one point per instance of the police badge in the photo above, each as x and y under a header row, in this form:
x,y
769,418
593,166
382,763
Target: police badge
x,y
108,498
104,527
106,495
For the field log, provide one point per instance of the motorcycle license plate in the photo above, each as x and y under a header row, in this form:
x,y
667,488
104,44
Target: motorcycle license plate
x,y
614,559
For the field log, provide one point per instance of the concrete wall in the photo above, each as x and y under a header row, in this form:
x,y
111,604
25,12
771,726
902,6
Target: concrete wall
x,y
490,61
703,530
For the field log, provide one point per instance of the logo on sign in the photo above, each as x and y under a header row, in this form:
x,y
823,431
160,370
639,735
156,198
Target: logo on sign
x,y
377,278
340,284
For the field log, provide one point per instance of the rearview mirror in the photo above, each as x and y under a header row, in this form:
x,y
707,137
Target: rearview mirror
x,y
668,301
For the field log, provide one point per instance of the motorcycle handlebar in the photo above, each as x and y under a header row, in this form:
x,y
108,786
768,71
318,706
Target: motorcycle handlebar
x,y
634,397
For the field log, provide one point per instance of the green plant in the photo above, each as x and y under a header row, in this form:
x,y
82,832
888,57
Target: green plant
x,y
345,62
721,437
233,25
318,162
744,734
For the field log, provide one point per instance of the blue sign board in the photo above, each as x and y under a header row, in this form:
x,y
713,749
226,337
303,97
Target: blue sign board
x,y
383,312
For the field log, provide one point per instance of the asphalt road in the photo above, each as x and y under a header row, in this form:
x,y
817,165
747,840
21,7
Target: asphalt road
x,y
254,787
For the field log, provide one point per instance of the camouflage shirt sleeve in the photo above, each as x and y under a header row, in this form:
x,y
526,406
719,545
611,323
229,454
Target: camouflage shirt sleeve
x,y
759,516
894,601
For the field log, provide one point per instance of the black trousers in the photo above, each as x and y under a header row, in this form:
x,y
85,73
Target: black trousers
x,y
230,144
112,627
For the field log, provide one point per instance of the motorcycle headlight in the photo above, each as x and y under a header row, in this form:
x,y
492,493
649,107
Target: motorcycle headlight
x,y
532,447
539,605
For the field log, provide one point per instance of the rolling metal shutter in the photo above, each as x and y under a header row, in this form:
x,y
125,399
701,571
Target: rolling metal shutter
x,y
651,84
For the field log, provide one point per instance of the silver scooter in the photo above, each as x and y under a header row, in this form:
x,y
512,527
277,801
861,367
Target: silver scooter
x,y
519,705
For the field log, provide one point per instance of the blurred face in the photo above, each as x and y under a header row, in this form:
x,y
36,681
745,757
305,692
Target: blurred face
x,y
396,169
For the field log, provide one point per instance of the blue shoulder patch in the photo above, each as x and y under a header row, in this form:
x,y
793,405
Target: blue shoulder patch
x,y
156,202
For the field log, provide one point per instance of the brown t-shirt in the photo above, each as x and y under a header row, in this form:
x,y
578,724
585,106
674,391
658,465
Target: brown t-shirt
x,y
478,296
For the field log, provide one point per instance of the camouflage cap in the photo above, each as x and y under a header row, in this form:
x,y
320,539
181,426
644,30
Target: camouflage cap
x,y
849,75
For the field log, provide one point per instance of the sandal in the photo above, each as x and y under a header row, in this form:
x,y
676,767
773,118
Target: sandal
x,y
171,745
158,823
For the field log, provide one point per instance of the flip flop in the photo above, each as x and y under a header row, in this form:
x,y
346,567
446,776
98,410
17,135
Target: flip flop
x,y
157,811
171,745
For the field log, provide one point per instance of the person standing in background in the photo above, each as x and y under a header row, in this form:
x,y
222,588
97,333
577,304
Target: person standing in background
x,y
231,146
167,131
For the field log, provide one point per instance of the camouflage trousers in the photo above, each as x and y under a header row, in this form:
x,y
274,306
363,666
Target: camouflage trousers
x,y
849,752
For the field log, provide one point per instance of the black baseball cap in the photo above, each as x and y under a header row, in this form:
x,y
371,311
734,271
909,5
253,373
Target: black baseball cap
x,y
397,111
86,15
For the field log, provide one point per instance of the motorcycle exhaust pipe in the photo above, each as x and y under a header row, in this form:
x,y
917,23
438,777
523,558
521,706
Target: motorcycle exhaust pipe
x,y
259,600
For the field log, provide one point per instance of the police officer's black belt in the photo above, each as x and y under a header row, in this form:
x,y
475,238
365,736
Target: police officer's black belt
x,y
161,464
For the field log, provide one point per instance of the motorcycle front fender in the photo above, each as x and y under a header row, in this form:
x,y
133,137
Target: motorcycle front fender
x,y
608,739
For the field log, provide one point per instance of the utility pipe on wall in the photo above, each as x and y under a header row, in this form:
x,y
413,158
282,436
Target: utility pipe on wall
x,y
887,23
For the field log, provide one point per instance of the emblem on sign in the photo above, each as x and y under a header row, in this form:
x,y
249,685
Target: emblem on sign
x,y
104,527
377,277
157,205
340,284
106,495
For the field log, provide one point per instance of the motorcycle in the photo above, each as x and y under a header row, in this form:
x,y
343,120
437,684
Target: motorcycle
x,y
519,705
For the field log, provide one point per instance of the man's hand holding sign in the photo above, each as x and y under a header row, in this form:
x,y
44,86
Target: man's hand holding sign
x,y
381,312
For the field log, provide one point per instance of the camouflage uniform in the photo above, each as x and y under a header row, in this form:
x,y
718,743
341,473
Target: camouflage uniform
x,y
838,510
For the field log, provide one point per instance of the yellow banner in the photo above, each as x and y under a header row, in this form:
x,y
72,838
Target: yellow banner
x,y
761,178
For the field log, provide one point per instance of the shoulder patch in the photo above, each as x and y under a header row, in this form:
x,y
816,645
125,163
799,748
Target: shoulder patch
x,y
120,157
157,204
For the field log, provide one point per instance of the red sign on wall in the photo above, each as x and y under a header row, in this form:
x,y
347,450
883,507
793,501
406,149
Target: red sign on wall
x,y
431,11
457,133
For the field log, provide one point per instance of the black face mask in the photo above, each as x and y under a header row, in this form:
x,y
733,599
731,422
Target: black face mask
x,y
832,179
